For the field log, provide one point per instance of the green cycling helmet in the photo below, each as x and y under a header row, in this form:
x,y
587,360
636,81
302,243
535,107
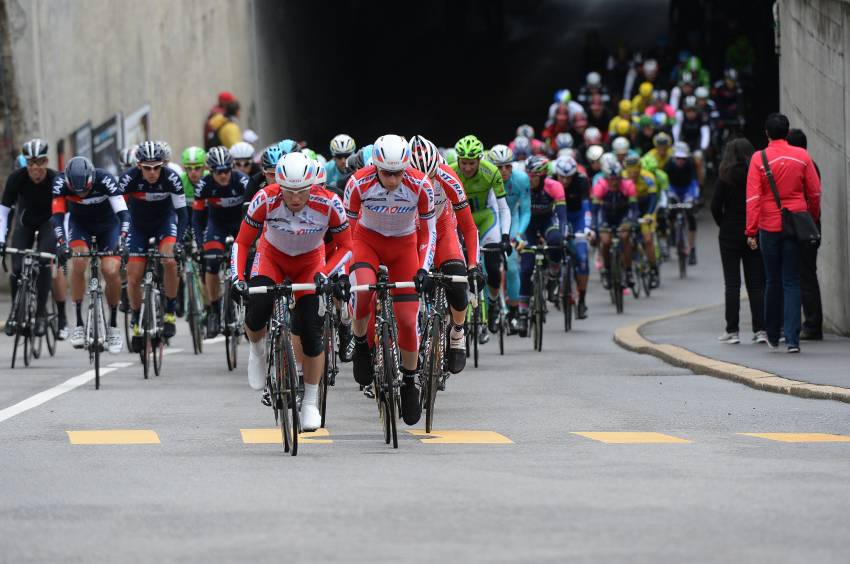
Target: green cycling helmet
x,y
450,155
470,147
194,156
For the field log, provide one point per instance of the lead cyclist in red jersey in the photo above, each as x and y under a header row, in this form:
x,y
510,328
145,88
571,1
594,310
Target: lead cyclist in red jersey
x,y
391,205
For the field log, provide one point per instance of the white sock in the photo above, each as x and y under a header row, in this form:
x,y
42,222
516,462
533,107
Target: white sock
x,y
311,394
258,348
458,330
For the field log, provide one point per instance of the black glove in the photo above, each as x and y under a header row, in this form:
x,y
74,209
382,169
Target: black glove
x,y
505,245
62,252
475,277
122,245
422,281
321,282
239,291
342,288
2,250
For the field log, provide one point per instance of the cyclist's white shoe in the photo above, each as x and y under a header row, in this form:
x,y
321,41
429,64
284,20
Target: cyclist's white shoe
x,y
256,366
114,340
78,337
63,333
311,419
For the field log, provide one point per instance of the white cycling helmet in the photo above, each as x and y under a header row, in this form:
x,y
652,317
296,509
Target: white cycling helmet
x,y
242,150
342,145
564,140
593,79
620,146
500,155
424,155
594,153
571,153
391,153
592,136
296,171
525,130
166,150
612,168
701,92
565,166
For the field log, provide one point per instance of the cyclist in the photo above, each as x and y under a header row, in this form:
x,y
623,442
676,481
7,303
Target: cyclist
x,y
517,188
157,207
342,146
645,133
127,157
593,158
166,157
643,98
646,189
386,201
577,196
97,209
620,147
481,179
30,191
221,195
268,162
243,159
624,115
614,206
660,153
521,148
684,188
452,210
593,87
692,127
290,218
548,224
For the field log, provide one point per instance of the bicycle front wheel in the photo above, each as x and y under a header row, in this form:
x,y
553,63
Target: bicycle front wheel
x,y
476,330
390,395
52,326
567,296
288,378
193,315
435,370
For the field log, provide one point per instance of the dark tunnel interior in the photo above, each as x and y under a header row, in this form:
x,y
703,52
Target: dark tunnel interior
x,y
445,68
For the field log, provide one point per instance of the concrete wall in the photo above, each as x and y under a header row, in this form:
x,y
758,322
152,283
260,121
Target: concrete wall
x,y
80,60
814,70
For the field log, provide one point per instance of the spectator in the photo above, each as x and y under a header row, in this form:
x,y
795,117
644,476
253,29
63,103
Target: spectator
x,y
799,190
729,209
222,127
809,287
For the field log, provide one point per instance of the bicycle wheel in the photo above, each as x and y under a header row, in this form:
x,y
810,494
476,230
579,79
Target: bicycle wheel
x,y
28,324
158,342
389,383
193,316
146,329
539,302
94,343
617,280
502,323
435,369
567,295
329,337
476,329
282,396
680,251
290,392
52,326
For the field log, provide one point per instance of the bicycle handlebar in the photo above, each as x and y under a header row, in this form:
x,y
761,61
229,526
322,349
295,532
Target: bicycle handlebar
x,y
285,287
94,254
388,285
38,254
683,206
440,277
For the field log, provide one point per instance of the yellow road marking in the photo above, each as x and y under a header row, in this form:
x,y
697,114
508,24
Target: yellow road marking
x,y
272,436
800,437
462,437
114,437
624,438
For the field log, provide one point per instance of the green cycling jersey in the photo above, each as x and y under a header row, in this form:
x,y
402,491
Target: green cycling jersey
x,y
188,187
478,189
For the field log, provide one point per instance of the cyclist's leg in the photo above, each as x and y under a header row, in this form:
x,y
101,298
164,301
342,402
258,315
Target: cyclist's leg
x,y
580,250
46,244
624,231
364,266
79,240
402,261
258,310
167,237
492,261
214,236
307,338
110,267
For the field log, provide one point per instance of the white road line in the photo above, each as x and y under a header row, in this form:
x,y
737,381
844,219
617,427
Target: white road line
x,y
49,394
219,339
121,364
172,351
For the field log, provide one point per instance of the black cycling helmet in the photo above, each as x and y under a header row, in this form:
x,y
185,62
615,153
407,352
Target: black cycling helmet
x,y
79,175
149,152
219,159
34,148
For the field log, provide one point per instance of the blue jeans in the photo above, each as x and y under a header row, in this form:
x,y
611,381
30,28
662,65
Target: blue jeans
x,y
782,284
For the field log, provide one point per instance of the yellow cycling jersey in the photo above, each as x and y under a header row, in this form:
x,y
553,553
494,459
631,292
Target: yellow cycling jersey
x,y
645,183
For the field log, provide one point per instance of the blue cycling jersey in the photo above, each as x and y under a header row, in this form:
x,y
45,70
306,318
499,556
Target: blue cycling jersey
x,y
518,190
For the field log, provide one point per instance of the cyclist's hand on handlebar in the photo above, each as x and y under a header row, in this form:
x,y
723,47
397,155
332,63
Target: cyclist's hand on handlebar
x,y
62,252
321,282
422,280
239,291
342,288
506,244
179,254
475,277
2,250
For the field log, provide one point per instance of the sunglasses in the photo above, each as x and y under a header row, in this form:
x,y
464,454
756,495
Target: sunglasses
x,y
243,163
40,161
194,167
221,172
392,173
505,166
151,168
298,191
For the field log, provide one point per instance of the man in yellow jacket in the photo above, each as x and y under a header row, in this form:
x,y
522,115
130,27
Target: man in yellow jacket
x,y
223,128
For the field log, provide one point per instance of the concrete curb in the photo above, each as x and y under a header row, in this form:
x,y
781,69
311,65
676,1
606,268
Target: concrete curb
x,y
629,338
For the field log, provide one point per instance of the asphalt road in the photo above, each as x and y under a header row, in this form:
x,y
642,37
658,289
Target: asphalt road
x,y
542,493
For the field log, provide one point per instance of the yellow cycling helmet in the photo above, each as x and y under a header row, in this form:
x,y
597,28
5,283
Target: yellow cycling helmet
x,y
625,106
645,89
623,127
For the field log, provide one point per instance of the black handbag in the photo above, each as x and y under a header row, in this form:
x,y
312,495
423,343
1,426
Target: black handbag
x,y
797,225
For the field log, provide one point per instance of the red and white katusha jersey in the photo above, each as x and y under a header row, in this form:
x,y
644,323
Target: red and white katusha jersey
x,y
392,214
294,233
447,187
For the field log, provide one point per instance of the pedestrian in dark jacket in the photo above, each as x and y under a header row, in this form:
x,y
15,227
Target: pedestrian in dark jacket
x,y
809,287
729,208
798,187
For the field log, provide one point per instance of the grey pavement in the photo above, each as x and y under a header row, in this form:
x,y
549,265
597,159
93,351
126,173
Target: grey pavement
x,y
820,362
202,494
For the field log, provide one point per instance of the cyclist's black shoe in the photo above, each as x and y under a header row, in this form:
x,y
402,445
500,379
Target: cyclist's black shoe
x,y
457,350
362,358
493,316
581,312
630,279
522,324
10,326
213,325
606,278
168,325
552,290
40,326
654,279
692,258
345,337
136,338
411,409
